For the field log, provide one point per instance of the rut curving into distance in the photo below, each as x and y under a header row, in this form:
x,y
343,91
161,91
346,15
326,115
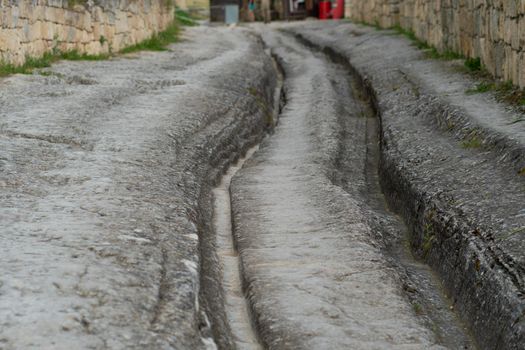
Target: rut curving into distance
x,y
236,306
314,232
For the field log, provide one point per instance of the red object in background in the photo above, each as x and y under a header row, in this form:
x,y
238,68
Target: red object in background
x,y
338,10
325,8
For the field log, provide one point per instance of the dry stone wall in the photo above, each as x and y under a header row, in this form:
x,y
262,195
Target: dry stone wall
x,y
493,30
33,27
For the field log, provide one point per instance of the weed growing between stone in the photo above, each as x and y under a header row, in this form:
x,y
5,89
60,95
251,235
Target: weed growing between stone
x,y
185,18
504,91
418,309
30,64
474,64
472,142
46,60
481,88
157,42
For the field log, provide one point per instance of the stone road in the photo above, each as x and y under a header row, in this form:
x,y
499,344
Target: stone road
x,y
382,209
102,167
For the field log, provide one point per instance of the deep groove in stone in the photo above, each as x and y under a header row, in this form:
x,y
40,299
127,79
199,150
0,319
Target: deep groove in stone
x,y
420,283
236,305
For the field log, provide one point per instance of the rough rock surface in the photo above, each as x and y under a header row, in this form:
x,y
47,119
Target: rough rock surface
x,y
102,169
315,272
450,165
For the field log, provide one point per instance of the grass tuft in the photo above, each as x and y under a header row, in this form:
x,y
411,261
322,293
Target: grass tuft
x,y
44,61
418,309
74,55
473,64
472,142
504,91
481,88
30,64
157,42
185,19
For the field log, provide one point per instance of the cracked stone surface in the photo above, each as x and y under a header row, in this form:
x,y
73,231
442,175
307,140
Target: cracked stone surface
x,y
463,202
106,176
101,169
315,275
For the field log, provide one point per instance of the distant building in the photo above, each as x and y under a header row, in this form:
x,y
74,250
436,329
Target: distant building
x,y
221,9
280,9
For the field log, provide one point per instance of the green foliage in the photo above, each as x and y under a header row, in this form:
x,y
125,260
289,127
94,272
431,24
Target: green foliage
x,y
505,86
428,239
32,63
432,52
509,93
504,91
185,18
418,309
481,88
447,55
157,42
376,25
473,64
472,141
74,55
26,68
73,3
408,33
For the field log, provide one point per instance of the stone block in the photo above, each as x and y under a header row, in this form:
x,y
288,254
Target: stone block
x,y
521,33
499,59
521,68
511,8
95,30
93,48
514,34
35,31
507,64
71,34
121,23
515,62
10,17
47,30
487,55
9,40
60,32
